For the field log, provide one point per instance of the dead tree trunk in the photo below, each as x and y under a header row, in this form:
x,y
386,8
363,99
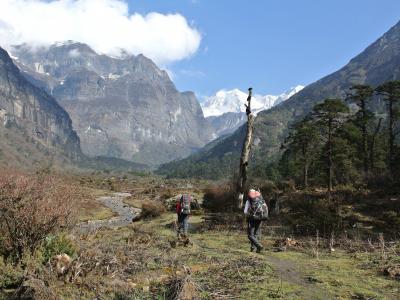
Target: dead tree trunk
x,y
244,159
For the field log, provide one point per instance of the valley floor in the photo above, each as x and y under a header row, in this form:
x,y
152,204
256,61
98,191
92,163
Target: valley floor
x,y
221,267
144,260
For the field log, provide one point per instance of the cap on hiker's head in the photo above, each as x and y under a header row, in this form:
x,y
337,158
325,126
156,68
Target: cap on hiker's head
x,y
253,193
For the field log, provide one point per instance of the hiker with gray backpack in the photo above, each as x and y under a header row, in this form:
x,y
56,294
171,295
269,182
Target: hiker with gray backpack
x,y
256,211
183,207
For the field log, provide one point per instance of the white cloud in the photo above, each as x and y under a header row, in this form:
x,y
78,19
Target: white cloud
x,y
105,25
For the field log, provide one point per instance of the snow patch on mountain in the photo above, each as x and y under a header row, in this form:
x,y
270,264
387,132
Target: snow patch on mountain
x,y
225,101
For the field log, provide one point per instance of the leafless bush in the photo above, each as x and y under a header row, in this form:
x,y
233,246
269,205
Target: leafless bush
x,y
315,245
382,245
219,199
182,286
32,207
152,209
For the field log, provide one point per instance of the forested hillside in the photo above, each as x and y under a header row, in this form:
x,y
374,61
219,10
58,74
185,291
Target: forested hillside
x,y
379,63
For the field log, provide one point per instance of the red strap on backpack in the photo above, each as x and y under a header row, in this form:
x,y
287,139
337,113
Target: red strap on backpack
x,y
178,207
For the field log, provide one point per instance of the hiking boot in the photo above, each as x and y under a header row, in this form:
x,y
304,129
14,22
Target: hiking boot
x,y
252,249
259,249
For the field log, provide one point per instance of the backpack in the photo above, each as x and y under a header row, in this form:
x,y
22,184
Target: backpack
x,y
256,209
185,204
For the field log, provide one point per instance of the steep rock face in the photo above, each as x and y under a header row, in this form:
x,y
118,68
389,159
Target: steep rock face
x,y
33,111
227,123
379,63
126,108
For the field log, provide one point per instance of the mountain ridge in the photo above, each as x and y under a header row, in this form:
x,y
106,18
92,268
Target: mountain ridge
x,y
126,108
225,110
225,101
378,63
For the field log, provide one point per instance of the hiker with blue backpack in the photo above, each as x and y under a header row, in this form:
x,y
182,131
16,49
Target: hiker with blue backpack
x,y
183,211
256,211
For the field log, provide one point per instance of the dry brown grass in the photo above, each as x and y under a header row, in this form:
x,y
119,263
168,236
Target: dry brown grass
x,y
91,209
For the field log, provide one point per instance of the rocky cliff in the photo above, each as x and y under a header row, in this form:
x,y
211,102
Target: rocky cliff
x,y
120,107
32,111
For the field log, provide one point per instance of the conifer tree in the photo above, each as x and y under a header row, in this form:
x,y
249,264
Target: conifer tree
x,y
303,140
329,116
360,95
391,93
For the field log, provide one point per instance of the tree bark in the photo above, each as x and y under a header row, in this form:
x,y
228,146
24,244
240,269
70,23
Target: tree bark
x,y
365,138
391,137
305,175
244,159
305,166
330,161
372,146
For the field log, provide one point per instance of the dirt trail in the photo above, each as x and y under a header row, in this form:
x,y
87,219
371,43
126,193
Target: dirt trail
x,y
290,272
287,270
125,213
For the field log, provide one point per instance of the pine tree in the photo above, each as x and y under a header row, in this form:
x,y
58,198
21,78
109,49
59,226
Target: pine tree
x,y
303,140
391,93
329,116
360,95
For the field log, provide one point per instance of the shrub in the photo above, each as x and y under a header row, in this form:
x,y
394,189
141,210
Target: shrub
x,y
287,185
152,209
219,199
167,194
392,219
10,276
309,212
268,188
347,193
58,244
32,207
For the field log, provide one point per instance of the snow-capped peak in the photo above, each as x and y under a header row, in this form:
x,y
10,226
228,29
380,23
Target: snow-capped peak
x,y
225,101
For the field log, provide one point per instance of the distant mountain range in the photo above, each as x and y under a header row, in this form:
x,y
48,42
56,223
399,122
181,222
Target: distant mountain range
x,y
378,63
232,101
70,102
125,108
225,110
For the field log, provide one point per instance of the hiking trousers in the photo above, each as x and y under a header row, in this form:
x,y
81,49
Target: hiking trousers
x,y
183,224
253,232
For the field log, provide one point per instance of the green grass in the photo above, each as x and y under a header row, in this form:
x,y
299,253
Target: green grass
x,y
332,276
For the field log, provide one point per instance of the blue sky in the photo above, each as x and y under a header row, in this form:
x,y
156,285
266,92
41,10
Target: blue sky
x,y
272,45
